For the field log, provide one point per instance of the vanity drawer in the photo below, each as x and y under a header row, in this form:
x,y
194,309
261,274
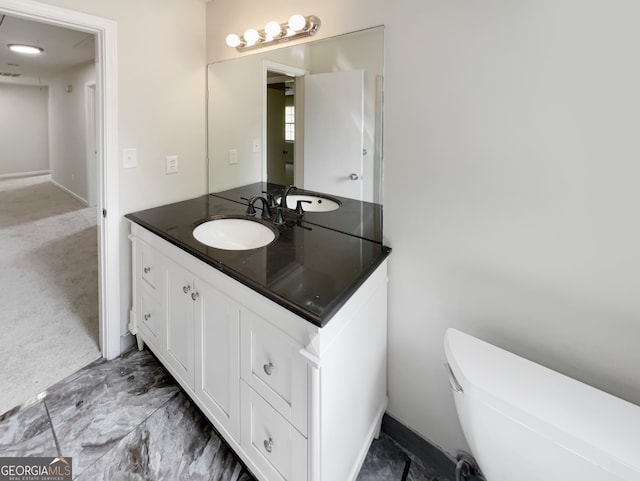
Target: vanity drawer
x,y
271,364
273,443
148,265
150,317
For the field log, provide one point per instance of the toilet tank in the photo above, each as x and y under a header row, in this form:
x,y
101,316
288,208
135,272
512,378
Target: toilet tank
x,y
525,422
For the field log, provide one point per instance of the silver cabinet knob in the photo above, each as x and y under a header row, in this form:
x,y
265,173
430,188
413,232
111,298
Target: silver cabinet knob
x,y
268,368
268,445
186,289
147,270
354,176
147,317
195,295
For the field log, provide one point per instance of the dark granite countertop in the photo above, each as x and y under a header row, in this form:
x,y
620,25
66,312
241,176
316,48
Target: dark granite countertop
x,y
309,269
360,219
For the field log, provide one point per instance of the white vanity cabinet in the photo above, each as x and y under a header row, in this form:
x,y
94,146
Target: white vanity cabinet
x,y
191,327
297,402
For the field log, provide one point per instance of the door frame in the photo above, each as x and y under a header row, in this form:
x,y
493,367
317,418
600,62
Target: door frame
x,y
90,125
289,71
105,32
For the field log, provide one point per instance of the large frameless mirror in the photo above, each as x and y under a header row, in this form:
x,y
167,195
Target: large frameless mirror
x,y
308,114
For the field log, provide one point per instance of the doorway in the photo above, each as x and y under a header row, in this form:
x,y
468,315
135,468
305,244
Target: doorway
x,y
106,147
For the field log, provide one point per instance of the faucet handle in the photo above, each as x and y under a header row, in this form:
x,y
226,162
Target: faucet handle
x,y
299,209
279,218
270,199
251,210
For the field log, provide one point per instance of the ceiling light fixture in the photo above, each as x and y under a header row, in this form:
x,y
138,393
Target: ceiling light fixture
x,y
274,32
28,49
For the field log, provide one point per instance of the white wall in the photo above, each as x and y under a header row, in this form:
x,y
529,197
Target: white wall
x,y
161,104
23,129
67,132
512,127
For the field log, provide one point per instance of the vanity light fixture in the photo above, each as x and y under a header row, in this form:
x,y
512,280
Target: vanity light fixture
x,y
28,49
274,32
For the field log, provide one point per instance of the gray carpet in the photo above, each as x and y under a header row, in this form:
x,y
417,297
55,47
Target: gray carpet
x,y
48,287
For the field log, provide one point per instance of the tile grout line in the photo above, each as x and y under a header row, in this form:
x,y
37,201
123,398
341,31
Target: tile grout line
x,y
53,431
405,472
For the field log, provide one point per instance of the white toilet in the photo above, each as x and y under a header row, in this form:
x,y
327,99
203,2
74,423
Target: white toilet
x,y
524,422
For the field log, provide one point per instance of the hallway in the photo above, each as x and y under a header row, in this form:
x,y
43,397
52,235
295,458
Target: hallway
x,y
48,287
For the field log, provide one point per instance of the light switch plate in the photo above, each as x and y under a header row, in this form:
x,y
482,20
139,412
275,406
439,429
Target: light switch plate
x,y
233,156
172,164
129,158
256,146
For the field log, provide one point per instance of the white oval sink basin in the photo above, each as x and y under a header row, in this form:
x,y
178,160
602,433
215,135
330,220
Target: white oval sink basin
x,y
315,203
234,234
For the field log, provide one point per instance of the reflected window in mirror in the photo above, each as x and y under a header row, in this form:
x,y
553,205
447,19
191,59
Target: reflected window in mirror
x,y
289,123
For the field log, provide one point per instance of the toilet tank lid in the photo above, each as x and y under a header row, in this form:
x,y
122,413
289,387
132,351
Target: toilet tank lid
x,y
602,427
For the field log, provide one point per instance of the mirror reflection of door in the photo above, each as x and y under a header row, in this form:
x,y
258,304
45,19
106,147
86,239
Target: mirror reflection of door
x,y
281,118
334,133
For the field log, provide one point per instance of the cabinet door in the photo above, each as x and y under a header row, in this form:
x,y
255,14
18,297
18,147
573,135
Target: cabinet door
x,y
218,366
181,300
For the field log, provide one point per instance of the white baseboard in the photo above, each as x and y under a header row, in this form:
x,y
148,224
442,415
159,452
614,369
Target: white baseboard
x,y
127,342
24,174
60,186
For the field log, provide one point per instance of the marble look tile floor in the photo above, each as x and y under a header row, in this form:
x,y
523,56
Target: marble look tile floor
x,y
127,419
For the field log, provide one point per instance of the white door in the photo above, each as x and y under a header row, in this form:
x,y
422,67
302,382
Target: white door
x,y
333,133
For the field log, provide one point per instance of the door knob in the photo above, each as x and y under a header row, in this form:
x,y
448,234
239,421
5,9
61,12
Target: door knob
x,y
354,176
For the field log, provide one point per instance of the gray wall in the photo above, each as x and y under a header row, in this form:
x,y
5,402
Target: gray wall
x,y
24,136
67,122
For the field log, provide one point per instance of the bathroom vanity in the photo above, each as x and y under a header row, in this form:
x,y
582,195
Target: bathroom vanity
x,y
283,347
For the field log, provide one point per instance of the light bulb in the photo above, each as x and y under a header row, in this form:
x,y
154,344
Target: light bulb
x,y
273,29
251,36
233,40
297,22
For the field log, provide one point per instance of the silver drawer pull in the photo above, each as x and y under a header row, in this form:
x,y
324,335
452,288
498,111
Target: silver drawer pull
x,y
186,289
147,270
268,445
147,317
268,368
195,295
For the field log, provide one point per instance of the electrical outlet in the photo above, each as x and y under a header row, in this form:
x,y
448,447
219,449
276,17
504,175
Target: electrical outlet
x,y
172,164
129,158
233,156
